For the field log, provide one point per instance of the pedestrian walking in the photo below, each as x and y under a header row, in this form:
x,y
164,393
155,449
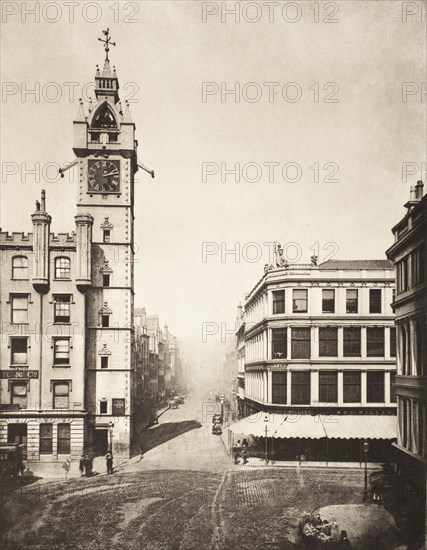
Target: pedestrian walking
x,y
82,465
109,460
66,467
236,451
245,451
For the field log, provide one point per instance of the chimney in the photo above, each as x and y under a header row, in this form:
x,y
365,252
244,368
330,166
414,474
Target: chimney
x,y
416,194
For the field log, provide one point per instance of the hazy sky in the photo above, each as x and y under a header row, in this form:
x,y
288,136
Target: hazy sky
x,y
162,60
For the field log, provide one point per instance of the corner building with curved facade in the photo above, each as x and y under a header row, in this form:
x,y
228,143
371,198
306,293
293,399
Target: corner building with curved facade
x,y
320,347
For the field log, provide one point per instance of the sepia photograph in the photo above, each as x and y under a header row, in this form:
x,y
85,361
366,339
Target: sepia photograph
x,y
213,275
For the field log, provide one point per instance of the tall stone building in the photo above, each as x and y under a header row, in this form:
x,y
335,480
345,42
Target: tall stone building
x,y
68,361
409,253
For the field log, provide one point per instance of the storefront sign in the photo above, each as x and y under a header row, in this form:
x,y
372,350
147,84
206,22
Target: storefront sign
x,y
19,373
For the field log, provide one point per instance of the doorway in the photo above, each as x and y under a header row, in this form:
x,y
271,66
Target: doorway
x,y
100,441
17,433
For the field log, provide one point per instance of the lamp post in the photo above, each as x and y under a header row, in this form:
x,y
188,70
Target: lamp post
x,y
266,441
110,433
365,452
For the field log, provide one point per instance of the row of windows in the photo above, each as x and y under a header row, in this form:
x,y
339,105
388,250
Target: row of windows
x,y
63,441
300,301
61,352
300,341
328,387
411,270
19,307
61,398
20,269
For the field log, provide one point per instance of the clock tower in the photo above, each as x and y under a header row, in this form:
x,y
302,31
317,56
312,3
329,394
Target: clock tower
x,y
105,145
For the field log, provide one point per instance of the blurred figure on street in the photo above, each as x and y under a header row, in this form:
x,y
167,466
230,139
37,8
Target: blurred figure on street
x,y
82,465
109,460
66,467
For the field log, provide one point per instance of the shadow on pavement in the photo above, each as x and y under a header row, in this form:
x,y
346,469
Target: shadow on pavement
x,y
158,435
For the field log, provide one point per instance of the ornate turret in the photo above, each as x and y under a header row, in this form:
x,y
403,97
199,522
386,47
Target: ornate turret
x,y
41,230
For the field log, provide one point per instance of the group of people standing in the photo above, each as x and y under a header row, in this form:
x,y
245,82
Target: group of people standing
x,y
86,465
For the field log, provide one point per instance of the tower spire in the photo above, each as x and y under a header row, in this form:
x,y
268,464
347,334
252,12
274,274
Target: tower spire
x,y
107,42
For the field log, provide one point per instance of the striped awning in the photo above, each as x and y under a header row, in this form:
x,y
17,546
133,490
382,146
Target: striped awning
x,y
304,426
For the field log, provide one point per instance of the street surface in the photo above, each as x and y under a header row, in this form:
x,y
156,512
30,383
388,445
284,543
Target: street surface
x,y
184,493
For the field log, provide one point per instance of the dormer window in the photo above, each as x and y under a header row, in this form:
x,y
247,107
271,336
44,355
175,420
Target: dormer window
x,y
104,117
95,137
113,137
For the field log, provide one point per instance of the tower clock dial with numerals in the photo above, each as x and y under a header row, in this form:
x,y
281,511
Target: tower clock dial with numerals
x,y
103,176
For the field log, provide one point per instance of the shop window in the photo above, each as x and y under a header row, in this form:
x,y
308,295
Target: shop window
x,y
375,389
279,387
328,387
352,387
46,438
300,388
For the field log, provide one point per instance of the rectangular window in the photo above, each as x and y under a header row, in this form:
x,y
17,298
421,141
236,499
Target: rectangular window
x,y
19,351
393,398
375,341
403,275
419,265
19,394
62,268
352,347
118,407
352,300
106,279
64,438
61,395
46,438
352,387
278,301
19,303
106,235
300,301
20,267
279,343
392,341
279,387
105,321
104,362
61,351
328,301
301,343
375,390
62,307
103,407
300,388
328,342
374,300
328,387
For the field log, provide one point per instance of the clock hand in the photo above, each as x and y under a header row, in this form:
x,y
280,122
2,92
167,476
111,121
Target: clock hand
x,y
110,174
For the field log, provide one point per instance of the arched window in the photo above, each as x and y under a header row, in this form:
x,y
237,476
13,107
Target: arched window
x,y
104,117
20,267
62,268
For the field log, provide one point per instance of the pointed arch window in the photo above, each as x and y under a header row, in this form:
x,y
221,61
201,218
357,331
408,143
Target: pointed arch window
x,y
20,267
104,117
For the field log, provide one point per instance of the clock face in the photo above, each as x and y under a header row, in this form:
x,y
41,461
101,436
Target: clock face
x,y
104,176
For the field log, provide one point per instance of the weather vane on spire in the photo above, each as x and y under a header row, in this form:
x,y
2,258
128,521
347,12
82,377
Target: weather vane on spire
x,y
107,42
